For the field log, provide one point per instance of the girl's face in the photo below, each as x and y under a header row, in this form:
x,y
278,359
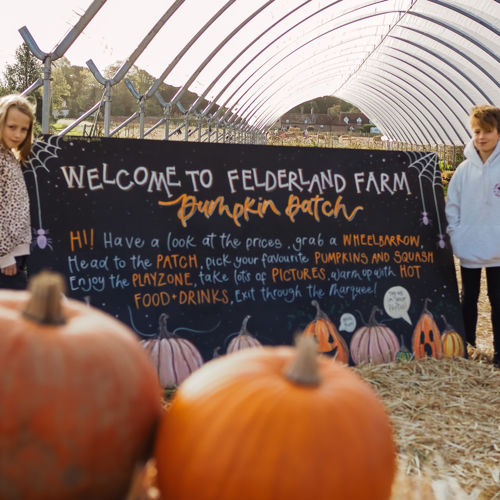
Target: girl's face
x,y
484,140
16,128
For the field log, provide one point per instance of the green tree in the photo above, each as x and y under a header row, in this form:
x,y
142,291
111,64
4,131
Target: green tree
x,y
22,73
334,111
61,90
325,105
84,89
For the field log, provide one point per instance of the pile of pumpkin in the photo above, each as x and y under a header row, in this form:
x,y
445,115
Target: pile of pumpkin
x,y
81,407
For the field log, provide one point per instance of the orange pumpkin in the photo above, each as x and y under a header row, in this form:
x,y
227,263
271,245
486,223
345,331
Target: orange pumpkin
x,y
243,340
327,336
173,357
79,400
453,345
426,336
275,423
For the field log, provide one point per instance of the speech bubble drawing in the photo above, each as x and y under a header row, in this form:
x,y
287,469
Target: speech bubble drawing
x,y
397,302
347,323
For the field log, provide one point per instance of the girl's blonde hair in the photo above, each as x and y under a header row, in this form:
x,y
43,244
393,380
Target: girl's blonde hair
x,y
24,106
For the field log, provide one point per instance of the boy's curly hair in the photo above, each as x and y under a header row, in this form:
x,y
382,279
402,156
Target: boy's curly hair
x,y
486,117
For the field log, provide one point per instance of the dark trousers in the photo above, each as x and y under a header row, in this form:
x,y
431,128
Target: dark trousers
x,y
20,279
471,284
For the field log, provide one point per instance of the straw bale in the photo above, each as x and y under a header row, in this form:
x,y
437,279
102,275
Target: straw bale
x,y
445,416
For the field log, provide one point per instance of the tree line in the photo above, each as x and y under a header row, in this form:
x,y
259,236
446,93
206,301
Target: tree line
x,y
75,90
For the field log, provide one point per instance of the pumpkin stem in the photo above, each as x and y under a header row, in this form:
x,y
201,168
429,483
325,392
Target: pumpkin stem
x,y
243,329
44,304
371,320
426,301
320,314
162,327
403,345
303,369
447,326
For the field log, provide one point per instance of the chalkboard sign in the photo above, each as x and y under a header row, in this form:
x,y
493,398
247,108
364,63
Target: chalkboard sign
x,y
216,234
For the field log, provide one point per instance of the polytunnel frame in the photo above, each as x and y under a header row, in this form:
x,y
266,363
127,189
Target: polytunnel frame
x,y
259,112
270,44
410,137
445,25
418,91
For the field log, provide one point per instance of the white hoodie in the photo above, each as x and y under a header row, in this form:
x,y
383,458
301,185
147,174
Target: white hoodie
x,y
473,209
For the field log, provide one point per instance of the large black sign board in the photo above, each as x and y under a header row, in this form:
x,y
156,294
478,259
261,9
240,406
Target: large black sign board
x,y
212,233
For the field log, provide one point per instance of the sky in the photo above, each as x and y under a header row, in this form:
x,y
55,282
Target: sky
x,y
112,35
48,22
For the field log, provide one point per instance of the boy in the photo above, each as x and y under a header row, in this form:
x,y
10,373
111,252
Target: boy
x,y
473,213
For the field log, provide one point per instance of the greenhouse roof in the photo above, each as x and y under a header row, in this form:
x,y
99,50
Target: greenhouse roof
x,y
414,67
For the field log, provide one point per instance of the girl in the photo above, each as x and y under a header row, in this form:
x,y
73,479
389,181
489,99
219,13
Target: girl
x,y
16,137
473,213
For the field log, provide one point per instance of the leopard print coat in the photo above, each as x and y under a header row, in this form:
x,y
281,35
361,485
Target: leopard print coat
x,y
15,229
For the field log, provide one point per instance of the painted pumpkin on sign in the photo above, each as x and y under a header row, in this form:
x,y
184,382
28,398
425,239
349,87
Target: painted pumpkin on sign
x,y
327,336
453,345
300,427
173,357
404,353
79,400
243,340
374,342
426,336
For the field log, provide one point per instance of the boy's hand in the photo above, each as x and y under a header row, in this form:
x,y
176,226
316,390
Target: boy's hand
x,y
10,270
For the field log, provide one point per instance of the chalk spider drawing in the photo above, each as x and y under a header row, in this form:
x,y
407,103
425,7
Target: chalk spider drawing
x,y
427,167
41,152
425,220
41,239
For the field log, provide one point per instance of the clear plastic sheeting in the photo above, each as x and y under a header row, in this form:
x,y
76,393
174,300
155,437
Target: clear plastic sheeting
x,y
414,67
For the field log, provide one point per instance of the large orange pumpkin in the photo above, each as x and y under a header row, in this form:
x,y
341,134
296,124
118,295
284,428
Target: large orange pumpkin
x,y
327,336
426,336
79,400
173,357
453,345
275,423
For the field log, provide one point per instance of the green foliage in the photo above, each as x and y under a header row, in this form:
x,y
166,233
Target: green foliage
x,y
79,130
366,128
75,90
82,90
25,70
325,105
21,74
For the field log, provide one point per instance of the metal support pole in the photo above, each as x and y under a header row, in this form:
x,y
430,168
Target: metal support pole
x,y
46,95
167,121
141,117
59,51
107,107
